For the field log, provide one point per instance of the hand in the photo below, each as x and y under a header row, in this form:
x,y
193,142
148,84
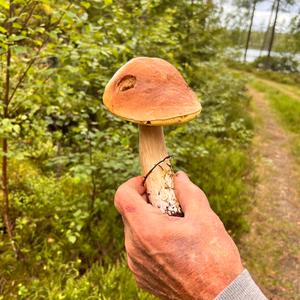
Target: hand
x,y
177,258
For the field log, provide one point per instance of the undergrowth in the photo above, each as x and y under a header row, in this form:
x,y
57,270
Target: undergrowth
x,y
288,110
67,154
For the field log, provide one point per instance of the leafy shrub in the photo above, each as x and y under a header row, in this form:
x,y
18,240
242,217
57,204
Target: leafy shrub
x,y
67,154
281,77
287,107
282,63
61,228
212,148
65,282
291,78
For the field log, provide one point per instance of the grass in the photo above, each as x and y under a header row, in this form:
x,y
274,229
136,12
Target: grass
x,y
271,257
286,107
288,110
291,88
279,77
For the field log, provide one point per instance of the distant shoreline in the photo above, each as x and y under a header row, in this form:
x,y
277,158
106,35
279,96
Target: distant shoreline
x,y
253,53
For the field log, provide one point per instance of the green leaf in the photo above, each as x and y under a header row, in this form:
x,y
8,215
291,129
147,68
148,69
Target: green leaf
x,y
17,25
16,38
19,49
2,29
4,4
85,4
16,128
108,2
72,238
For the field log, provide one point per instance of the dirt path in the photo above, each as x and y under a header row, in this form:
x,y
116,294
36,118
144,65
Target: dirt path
x,y
283,88
272,247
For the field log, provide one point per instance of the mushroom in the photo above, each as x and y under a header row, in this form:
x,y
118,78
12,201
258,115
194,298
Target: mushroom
x,y
152,93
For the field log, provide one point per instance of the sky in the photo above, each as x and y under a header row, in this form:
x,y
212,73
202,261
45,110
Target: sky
x,y
262,14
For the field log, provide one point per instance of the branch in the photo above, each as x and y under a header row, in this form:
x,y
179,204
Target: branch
x,y
32,61
21,78
18,15
15,109
5,148
34,4
23,8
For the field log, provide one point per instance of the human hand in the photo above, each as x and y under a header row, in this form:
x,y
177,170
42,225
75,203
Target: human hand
x,y
172,257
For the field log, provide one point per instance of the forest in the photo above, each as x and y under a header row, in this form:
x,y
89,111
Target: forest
x,y
63,154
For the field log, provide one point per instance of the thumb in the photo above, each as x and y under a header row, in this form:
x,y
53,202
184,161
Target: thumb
x,y
191,198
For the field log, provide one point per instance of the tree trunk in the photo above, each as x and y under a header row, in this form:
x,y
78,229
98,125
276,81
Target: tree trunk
x,y
266,35
273,29
249,31
5,178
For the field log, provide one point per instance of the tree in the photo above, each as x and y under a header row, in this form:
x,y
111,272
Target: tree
x,y
266,35
273,30
250,29
295,33
66,154
250,5
23,34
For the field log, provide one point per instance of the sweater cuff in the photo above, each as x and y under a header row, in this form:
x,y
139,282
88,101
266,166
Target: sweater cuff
x,y
243,287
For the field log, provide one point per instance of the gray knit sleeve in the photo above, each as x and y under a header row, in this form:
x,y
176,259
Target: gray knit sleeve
x,y
243,287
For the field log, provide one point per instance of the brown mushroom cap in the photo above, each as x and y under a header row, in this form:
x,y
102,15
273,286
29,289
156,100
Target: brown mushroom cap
x,y
150,91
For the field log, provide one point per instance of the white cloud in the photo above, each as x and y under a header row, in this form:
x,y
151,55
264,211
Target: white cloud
x,y
262,15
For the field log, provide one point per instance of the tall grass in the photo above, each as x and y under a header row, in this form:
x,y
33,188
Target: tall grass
x,y
287,107
288,110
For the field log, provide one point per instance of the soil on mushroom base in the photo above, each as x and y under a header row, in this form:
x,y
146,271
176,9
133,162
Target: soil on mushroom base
x,y
271,249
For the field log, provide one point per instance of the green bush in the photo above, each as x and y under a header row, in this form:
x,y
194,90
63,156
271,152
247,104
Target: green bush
x,y
279,76
283,63
213,148
66,282
67,154
60,228
288,108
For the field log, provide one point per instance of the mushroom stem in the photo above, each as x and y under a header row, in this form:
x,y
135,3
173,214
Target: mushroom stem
x,y
159,182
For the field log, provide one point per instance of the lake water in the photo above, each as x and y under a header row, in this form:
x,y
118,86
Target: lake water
x,y
252,54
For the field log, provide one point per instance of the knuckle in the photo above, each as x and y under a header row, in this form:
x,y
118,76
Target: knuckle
x,y
131,265
134,268
130,248
200,194
123,202
118,198
140,283
165,234
147,235
201,197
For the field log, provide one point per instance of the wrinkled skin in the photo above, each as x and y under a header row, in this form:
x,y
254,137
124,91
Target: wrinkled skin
x,y
177,258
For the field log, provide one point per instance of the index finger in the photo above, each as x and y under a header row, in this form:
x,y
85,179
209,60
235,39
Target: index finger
x,y
131,204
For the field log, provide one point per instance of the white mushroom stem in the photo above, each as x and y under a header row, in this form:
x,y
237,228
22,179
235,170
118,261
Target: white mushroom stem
x,y
159,181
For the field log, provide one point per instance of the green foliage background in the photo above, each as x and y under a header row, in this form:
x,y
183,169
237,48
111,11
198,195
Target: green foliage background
x,y
67,154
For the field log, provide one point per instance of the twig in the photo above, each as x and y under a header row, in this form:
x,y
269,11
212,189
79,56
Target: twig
x,y
21,78
5,177
23,8
152,169
33,6
4,24
15,109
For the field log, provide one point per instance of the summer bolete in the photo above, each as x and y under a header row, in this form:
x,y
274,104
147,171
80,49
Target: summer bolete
x,y
152,93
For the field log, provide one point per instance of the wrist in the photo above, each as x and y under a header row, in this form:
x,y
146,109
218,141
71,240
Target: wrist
x,y
222,280
243,287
